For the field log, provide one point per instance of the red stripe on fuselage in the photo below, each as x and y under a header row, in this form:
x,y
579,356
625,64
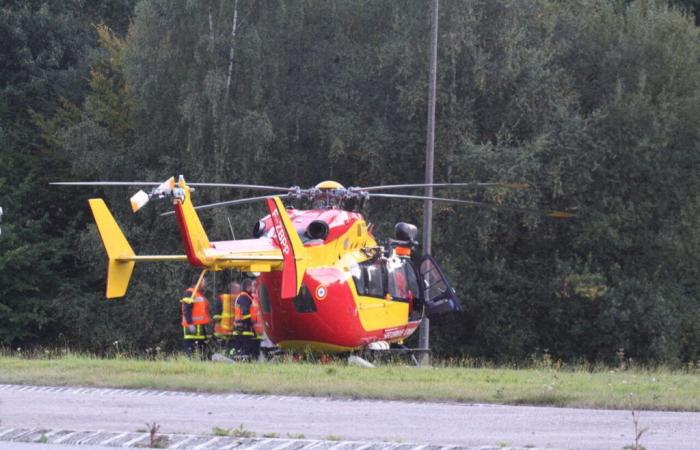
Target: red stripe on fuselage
x,y
186,240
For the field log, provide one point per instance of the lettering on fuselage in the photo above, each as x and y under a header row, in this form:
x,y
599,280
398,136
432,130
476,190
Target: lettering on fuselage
x,y
393,333
280,231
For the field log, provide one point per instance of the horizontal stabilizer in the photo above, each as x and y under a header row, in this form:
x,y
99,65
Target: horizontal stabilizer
x,y
250,255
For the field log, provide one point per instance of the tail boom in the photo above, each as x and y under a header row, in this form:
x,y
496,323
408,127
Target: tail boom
x,y
121,258
283,252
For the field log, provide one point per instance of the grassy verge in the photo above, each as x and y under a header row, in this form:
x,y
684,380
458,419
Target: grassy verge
x,y
642,389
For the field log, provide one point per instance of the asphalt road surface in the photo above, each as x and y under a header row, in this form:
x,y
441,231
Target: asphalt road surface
x,y
464,425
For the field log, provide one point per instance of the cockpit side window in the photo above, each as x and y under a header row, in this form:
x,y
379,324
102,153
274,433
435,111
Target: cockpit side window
x,y
394,276
369,279
412,277
401,275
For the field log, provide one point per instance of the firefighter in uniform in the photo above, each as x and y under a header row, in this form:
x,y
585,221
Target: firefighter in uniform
x,y
195,315
223,325
246,341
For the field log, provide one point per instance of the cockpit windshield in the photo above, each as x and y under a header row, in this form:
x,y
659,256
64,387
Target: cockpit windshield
x,y
393,276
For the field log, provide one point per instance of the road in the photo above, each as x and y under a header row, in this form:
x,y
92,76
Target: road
x,y
464,425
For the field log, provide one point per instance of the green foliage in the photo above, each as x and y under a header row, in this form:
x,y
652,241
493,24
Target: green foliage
x,y
594,104
45,56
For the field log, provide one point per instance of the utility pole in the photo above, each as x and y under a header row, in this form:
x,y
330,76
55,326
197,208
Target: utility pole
x,y
424,336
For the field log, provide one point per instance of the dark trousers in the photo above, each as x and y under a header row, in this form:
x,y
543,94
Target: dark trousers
x,y
196,342
246,345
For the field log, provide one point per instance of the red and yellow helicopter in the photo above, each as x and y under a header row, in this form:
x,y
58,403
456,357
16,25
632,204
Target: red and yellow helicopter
x,y
326,284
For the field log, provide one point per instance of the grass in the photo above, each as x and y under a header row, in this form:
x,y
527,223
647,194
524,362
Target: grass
x,y
333,437
660,389
240,432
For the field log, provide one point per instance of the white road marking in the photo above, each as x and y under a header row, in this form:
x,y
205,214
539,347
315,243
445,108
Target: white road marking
x,y
206,443
181,443
363,447
133,441
51,433
113,438
282,445
63,438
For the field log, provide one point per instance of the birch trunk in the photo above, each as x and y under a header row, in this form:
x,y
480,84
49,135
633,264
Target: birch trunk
x,y
232,51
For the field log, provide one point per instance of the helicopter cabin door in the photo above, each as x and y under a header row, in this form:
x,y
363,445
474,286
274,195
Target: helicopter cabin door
x,y
440,297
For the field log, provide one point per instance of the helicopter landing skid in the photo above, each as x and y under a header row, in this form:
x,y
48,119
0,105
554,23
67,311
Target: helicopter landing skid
x,y
395,354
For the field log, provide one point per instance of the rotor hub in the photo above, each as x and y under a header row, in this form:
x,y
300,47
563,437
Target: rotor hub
x,y
328,185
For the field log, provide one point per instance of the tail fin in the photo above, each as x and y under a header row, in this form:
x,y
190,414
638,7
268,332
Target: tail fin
x,y
119,253
194,237
292,248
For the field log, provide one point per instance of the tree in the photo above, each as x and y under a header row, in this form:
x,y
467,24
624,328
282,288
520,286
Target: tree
x,y
45,58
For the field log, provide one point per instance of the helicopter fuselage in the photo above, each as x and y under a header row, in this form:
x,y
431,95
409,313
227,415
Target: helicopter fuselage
x,y
330,313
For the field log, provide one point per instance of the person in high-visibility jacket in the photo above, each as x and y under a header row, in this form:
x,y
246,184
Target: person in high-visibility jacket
x,y
223,320
246,341
195,315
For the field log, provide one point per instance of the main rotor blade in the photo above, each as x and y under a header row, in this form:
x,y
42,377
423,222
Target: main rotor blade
x,y
473,184
105,183
239,201
260,187
156,183
549,213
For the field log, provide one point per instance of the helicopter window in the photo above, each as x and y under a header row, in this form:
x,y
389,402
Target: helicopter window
x,y
264,297
303,303
434,280
369,279
394,276
403,282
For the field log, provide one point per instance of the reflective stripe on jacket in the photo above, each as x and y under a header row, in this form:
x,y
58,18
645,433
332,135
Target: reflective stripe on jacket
x,y
256,318
199,333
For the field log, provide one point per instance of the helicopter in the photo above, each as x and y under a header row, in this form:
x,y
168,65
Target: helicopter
x,y
326,284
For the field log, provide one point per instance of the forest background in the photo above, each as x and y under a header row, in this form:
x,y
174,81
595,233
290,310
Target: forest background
x,y
595,103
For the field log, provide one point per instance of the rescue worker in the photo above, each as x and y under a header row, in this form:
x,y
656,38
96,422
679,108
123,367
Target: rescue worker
x,y
223,325
246,342
195,316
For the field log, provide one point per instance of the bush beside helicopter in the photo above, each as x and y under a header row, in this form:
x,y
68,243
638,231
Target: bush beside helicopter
x,y
327,285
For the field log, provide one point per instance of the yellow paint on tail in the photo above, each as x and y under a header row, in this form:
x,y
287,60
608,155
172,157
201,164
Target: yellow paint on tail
x,y
120,264
193,226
